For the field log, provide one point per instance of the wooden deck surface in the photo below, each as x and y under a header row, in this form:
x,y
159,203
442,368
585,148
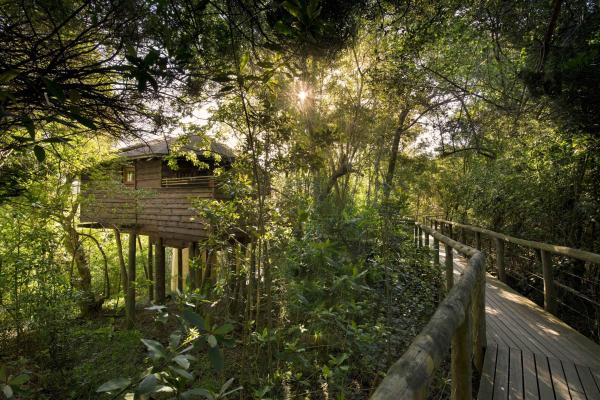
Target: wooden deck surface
x,y
531,354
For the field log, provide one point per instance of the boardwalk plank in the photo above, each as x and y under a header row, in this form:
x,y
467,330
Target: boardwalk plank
x,y
486,386
522,339
515,375
561,390
596,375
501,378
532,354
573,382
530,386
544,378
592,391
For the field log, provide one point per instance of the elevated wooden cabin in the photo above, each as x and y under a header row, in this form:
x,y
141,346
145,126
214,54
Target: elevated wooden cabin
x,y
143,193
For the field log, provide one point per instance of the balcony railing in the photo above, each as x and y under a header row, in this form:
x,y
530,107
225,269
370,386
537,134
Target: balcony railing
x,y
205,181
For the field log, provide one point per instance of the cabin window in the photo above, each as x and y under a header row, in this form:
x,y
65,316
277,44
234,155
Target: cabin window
x,y
129,176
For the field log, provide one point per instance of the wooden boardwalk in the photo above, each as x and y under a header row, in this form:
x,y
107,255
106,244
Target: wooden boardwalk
x,y
531,354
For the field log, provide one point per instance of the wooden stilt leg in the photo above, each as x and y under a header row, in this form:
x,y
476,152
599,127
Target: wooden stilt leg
x,y
130,300
150,269
160,272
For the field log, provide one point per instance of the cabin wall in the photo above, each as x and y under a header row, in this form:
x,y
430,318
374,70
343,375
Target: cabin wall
x,y
164,212
169,213
148,173
153,210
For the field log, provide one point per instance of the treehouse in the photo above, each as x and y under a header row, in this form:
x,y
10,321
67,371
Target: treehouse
x,y
151,191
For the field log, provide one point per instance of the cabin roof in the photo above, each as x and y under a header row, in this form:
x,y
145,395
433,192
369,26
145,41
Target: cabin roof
x,y
162,147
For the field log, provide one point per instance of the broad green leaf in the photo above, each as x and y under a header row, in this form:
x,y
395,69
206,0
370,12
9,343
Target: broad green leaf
x,y
292,9
194,319
216,358
283,28
39,152
19,380
114,384
182,372
9,75
148,385
197,394
156,349
223,329
211,340
226,386
7,390
182,361
174,340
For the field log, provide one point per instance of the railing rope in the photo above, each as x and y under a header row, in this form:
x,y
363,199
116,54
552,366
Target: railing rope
x,y
458,323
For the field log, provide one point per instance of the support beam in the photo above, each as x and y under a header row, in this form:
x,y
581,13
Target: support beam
x,y
180,270
191,264
199,264
160,272
550,304
416,235
436,253
500,263
130,300
150,269
449,264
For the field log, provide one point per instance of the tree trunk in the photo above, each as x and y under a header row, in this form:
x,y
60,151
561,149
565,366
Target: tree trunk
x,y
83,283
389,176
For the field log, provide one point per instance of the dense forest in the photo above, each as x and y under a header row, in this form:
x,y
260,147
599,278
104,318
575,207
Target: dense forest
x,y
339,122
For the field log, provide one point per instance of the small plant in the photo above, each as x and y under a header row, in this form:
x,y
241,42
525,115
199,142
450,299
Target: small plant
x,y
10,384
169,373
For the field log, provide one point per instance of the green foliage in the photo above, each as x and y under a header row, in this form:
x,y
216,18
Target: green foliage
x,y
170,369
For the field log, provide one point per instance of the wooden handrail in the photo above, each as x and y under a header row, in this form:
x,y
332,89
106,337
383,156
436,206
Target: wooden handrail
x,y
458,323
546,251
551,248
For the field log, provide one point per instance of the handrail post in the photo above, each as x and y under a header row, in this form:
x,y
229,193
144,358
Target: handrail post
x,y
436,253
420,236
463,236
478,318
449,267
416,235
460,368
478,240
426,239
549,292
500,259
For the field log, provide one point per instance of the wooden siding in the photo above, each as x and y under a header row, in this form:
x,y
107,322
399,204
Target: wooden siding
x,y
153,210
148,173
164,212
